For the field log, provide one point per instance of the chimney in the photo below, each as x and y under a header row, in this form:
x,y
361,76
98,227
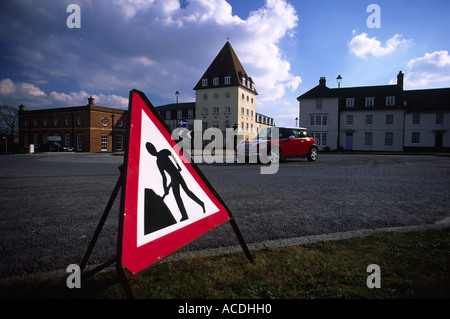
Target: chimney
x,y
21,108
322,81
400,77
91,101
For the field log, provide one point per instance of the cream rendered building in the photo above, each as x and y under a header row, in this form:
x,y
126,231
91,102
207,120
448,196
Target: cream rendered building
x,y
226,97
377,118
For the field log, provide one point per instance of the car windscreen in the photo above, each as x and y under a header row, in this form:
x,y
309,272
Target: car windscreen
x,y
267,133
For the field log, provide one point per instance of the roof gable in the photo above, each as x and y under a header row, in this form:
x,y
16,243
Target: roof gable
x,y
226,64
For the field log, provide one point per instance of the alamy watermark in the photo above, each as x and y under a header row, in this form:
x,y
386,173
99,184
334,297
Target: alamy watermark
x,y
374,279
374,19
218,145
74,279
74,19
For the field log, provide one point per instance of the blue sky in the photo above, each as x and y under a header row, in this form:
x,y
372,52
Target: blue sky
x,y
163,46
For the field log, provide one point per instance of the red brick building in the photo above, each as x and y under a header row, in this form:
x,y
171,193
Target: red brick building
x,y
88,128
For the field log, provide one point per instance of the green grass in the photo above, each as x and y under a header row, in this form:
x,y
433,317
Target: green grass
x,y
413,265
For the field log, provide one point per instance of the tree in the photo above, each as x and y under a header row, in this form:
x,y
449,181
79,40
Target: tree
x,y
9,124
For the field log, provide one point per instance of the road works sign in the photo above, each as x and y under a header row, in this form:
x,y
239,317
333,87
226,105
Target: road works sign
x,y
167,202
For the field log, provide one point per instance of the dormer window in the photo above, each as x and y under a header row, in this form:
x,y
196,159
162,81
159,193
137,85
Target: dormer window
x,y
349,102
215,81
204,82
227,79
390,100
370,101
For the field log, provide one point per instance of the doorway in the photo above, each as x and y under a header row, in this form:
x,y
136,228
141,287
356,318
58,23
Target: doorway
x,y
438,139
349,141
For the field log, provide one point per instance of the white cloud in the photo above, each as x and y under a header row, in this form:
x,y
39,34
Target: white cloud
x,y
111,100
31,95
7,87
70,99
431,68
22,91
80,98
363,46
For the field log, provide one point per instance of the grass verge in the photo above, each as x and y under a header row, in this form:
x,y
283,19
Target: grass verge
x,y
413,265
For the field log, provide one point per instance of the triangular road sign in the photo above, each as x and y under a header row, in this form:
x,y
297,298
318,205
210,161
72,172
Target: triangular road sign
x,y
167,201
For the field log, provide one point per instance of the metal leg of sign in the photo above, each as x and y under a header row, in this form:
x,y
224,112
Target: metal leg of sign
x,y
123,278
120,271
100,226
241,240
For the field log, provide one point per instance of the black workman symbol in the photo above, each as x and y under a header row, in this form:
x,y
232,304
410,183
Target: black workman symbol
x,y
166,165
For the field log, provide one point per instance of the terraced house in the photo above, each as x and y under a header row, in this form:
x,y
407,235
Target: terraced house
x,y
377,118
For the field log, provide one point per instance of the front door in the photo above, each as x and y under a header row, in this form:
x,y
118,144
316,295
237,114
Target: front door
x,y
438,138
349,141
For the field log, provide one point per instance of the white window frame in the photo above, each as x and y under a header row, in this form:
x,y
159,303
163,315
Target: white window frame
x,y
390,100
79,142
349,120
321,138
389,119
368,138
415,137
350,102
319,104
119,143
104,141
67,139
389,139
369,101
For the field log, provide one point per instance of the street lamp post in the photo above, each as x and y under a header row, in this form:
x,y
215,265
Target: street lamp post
x,y
296,119
339,80
176,116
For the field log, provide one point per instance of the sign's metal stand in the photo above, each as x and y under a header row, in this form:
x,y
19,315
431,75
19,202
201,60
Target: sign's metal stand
x,y
123,276
120,271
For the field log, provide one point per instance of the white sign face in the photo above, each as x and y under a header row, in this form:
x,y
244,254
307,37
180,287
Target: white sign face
x,y
163,174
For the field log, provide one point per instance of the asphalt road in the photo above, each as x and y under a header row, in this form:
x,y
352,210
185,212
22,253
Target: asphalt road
x,y
50,204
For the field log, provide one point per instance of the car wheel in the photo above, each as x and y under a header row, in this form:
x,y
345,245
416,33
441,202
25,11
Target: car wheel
x,y
313,154
274,155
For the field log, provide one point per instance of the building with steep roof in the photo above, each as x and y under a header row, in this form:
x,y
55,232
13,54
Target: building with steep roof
x,y
226,97
377,118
